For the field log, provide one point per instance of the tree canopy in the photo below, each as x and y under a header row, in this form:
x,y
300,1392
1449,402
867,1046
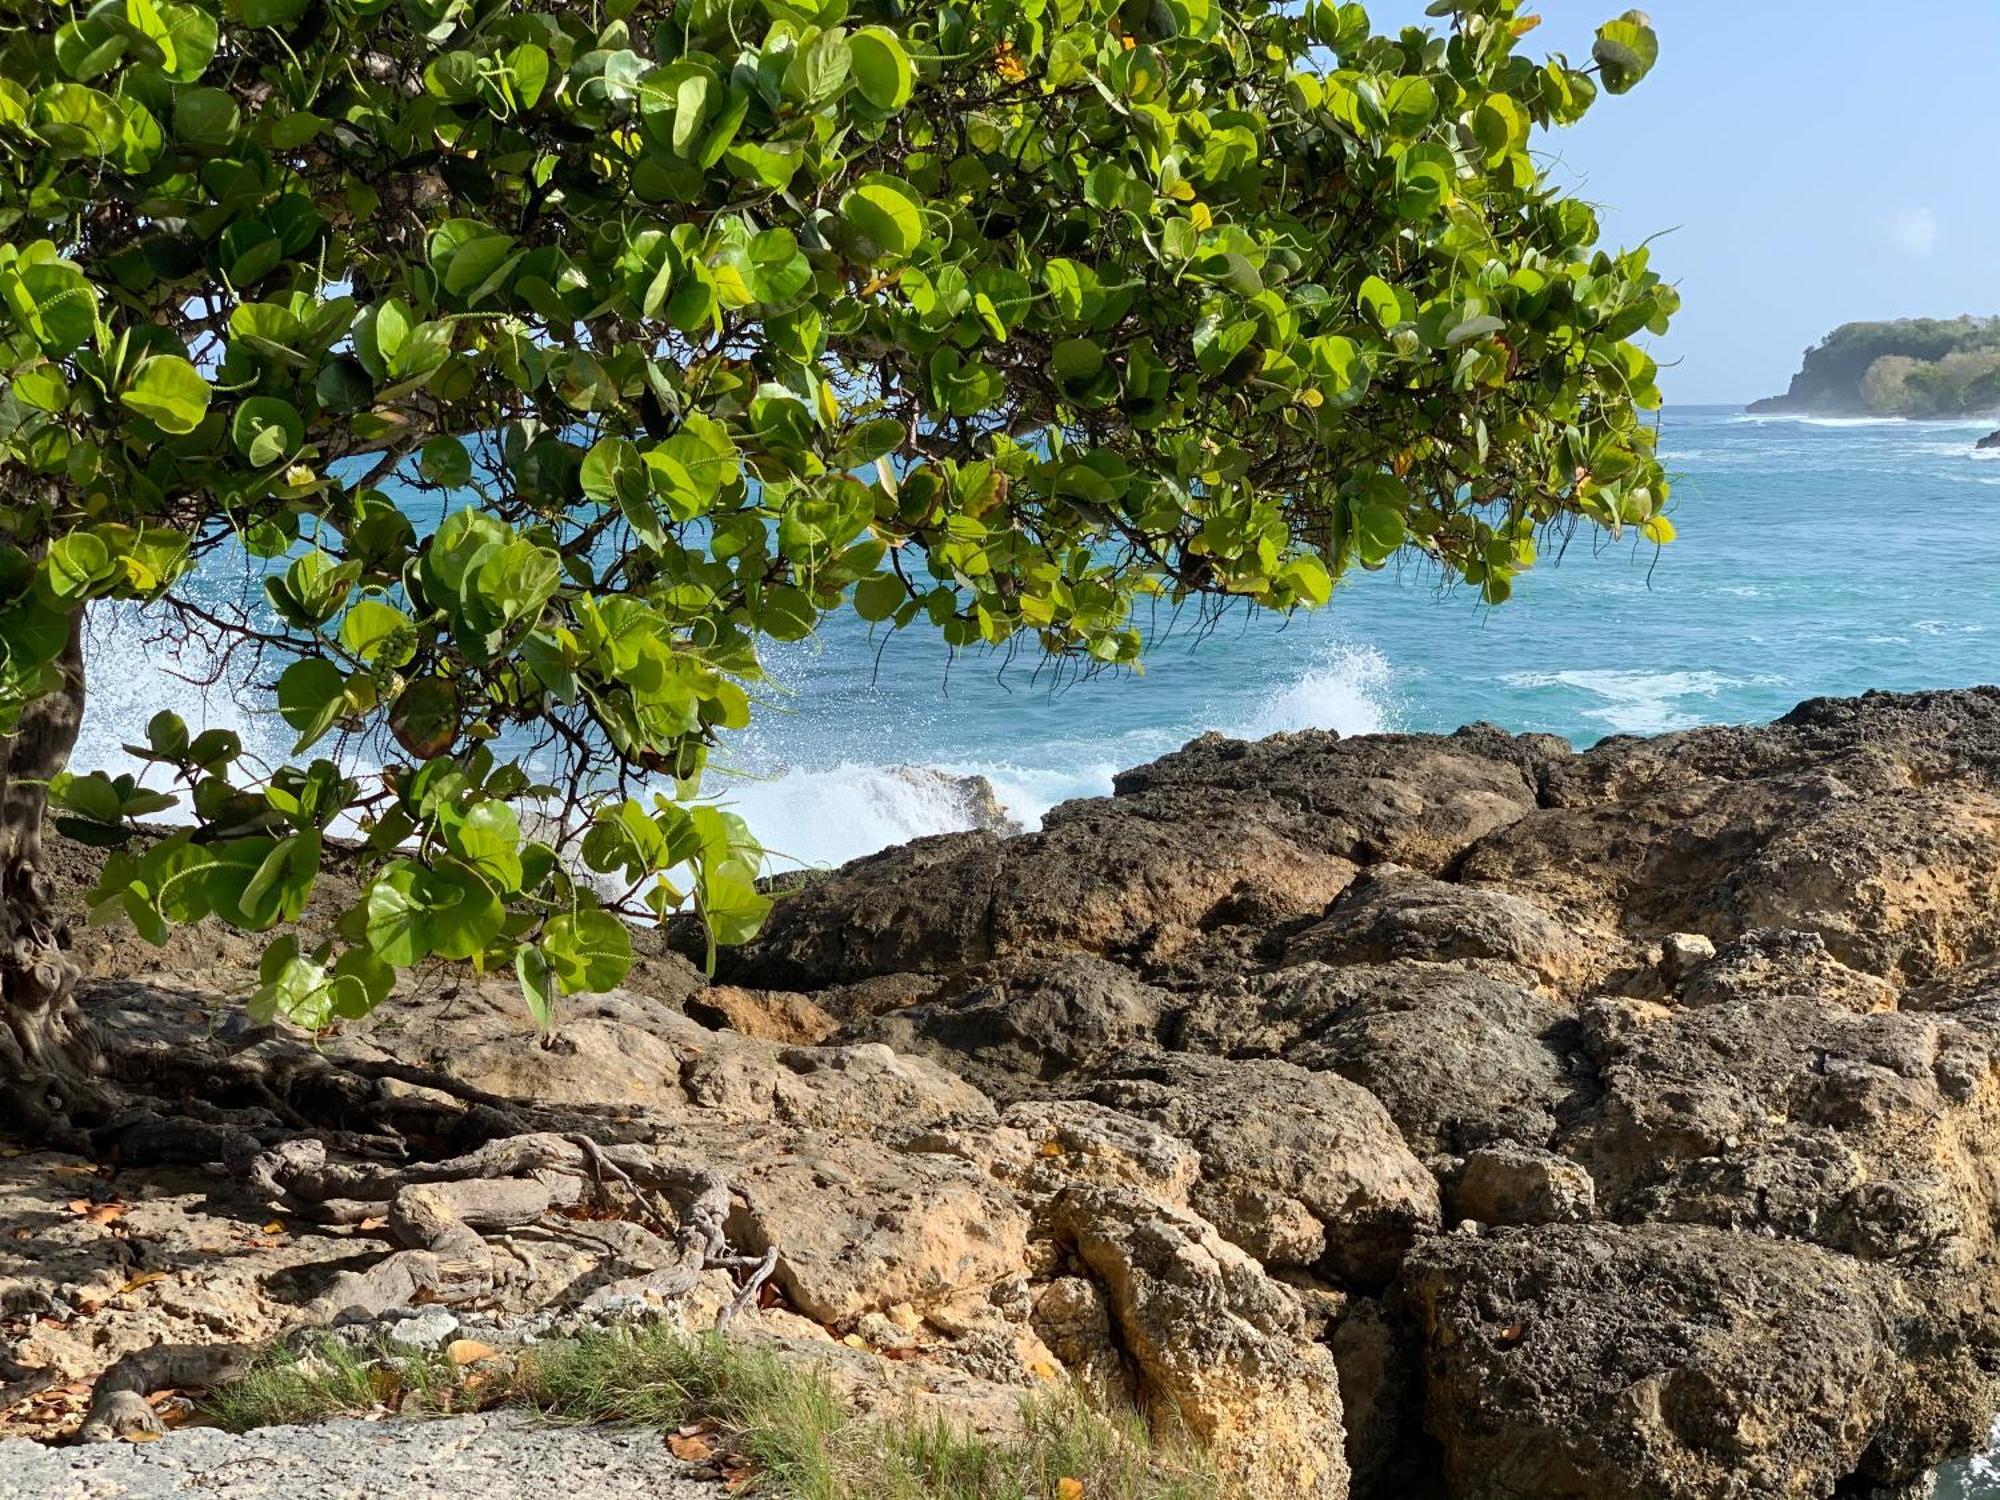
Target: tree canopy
x,y
552,356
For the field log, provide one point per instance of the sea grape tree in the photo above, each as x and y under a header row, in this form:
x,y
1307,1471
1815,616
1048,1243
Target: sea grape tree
x,y
550,357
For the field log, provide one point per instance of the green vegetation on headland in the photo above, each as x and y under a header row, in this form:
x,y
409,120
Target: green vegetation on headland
x,y
1912,367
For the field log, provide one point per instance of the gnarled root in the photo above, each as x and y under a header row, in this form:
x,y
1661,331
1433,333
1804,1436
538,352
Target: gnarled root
x,y
438,1210
118,1404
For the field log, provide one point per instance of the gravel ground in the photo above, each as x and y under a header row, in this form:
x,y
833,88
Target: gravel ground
x,y
494,1457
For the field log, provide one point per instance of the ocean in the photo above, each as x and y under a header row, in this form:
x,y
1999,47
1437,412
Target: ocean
x,y
1816,556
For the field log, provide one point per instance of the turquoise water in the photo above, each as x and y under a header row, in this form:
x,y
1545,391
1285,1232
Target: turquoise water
x,y
1815,556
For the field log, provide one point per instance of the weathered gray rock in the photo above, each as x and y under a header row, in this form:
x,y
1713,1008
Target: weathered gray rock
x,y
1667,1362
1459,1059
1392,913
1767,962
1874,1134
499,1456
1014,1026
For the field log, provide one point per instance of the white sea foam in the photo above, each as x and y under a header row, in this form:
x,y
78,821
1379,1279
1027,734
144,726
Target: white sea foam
x,y
828,815
1636,702
809,815
129,678
1350,690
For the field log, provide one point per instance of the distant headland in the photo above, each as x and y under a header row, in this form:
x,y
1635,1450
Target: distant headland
x,y
1912,367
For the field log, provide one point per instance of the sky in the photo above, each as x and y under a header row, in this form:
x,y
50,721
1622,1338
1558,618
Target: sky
x,y
1806,162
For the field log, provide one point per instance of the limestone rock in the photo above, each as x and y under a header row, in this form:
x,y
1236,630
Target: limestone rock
x,y
1013,1026
1392,913
1659,1362
1777,961
1283,1149
1459,1059
770,1015
862,1228
1215,1343
1515,1184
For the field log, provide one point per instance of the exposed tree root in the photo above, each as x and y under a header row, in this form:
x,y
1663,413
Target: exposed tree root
x,y
439,1213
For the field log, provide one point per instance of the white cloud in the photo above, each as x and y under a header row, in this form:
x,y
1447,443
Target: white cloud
x,y
1915,231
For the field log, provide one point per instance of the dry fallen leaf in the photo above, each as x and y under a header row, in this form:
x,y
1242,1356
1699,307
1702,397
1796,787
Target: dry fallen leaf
x,y
74,1171
1069,1489
144,1437
463,1352
368,1226
690,1450
144,1278
855,1341
276,1226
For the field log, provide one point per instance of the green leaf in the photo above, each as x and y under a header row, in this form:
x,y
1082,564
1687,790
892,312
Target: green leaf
x,y
488,838
886,217
731,904
589,950
882,68
878,597
312,694
396,917
266,430
205,117
538,985
787,614
379,634
76,564
465,913
1626,50
169,392
446,461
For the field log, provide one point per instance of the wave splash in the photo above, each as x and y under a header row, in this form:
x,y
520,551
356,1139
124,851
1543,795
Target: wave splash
x,y
808,816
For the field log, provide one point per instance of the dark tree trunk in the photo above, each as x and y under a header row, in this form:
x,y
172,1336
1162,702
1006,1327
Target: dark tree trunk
x,y
48,1062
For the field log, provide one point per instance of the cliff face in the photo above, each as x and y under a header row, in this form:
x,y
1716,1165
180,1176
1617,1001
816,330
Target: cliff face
x,y
1453,1116
1917,367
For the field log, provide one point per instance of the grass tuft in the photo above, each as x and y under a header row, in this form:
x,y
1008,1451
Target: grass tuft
x,y
781,1422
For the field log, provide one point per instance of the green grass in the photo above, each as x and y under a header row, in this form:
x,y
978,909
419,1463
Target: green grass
x,y
331,1378
780,1419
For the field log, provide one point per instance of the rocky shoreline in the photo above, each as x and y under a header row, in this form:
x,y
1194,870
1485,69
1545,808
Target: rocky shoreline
x,y
1459,1116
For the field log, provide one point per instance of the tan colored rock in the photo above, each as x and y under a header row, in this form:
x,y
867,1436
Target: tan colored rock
x,y
1076,1141
861,1227
1278,1145
1073,1317
1767,962
1515,1184
768,1015
1217,1345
